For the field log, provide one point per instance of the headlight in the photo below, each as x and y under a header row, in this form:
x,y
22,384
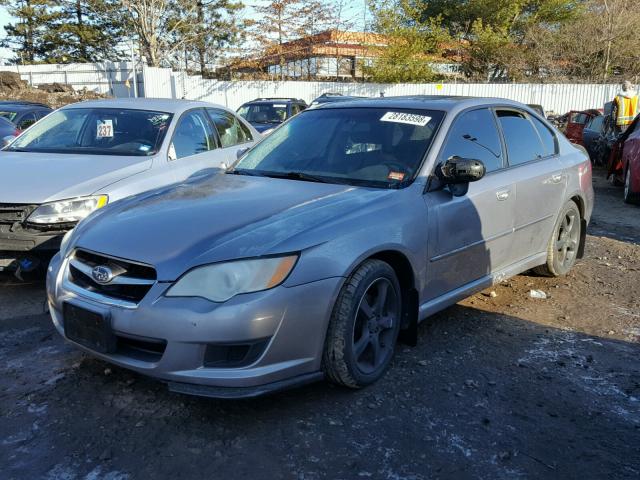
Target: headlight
x,y
67,211
221,281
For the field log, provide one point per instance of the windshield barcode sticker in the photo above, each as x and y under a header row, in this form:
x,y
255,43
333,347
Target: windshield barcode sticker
x,y
408,118
104,129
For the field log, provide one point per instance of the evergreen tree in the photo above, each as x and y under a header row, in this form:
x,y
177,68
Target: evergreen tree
x,y
28,35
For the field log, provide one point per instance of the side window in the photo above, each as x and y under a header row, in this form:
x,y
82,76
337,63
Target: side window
x,y
523,142
26,121
547,136
42,113
474,135
193,135
230,130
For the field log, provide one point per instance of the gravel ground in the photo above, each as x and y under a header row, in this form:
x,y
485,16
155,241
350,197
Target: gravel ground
x,y
502,386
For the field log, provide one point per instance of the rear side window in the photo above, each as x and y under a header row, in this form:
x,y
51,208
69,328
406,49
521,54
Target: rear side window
x,y
474,135
547,137
230,129
522,139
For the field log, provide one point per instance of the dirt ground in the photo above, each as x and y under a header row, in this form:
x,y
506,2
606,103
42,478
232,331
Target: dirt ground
x,y
498,387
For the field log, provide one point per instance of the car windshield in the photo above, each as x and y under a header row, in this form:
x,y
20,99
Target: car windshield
x,y
264,112
378,147
8,114
98,131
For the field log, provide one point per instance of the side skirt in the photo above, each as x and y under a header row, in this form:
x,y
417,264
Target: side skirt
x,y
433,306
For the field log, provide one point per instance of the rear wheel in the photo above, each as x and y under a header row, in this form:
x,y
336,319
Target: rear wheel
x,y
364,326
629,195
562,250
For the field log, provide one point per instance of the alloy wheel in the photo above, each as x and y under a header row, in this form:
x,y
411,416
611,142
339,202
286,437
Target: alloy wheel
x,y
568,238
373,332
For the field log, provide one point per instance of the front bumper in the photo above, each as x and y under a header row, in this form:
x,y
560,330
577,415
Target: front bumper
x,y
290,322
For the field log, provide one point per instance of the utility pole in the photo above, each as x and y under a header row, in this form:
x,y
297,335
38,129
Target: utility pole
x,y
135,76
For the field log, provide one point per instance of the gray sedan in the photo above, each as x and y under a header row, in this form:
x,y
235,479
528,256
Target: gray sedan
x,y
346,227
88,154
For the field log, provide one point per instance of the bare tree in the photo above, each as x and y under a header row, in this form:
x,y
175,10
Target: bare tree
x,y
164,27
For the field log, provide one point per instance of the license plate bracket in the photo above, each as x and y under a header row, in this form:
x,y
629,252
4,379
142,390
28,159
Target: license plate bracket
x,y
89,328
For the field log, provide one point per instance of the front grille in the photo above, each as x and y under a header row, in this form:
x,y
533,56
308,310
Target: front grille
x,y
15,213
130,283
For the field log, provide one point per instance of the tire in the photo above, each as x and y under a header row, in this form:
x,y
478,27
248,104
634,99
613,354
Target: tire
x,y
630,196
362,335
562,250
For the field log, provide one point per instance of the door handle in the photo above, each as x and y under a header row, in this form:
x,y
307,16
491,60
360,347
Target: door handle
x,y
502,195
557,178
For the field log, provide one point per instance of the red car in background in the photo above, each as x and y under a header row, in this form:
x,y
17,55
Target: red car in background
x,y
624,162
575,124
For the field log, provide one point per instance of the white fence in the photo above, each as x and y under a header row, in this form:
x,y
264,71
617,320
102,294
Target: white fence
x,y
116,79
110,78
559,98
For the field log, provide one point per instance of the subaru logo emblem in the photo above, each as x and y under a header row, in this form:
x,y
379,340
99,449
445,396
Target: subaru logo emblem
x,y
102,274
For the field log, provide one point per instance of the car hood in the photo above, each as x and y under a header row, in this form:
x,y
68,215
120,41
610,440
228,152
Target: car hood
x,y
45,177
222,217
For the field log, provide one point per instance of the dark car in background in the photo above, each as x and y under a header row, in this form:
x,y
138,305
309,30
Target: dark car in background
x,y
624,162
592,134
265,114
23,114
332,98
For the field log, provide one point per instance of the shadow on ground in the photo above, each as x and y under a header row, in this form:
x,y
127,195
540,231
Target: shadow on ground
x,y
484,395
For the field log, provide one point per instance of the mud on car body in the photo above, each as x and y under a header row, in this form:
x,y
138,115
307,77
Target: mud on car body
x,y
346,226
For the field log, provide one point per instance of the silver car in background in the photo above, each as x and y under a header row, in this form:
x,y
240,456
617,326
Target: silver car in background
x,y
85,155
348,225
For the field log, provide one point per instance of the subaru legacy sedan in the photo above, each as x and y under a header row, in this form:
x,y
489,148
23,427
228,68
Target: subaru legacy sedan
x,y
307,259
88,154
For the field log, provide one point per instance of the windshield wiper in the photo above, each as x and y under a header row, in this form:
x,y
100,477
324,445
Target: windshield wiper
x,y
244,171
298,176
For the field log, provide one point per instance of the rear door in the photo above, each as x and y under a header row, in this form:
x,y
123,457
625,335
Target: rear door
x,y
233,134
540,180
470,235
194,145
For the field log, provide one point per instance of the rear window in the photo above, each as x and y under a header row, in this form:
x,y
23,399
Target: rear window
x,y
99,131
522,139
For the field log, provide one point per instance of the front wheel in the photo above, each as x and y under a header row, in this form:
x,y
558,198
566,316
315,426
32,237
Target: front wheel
x,y
562,250
364,326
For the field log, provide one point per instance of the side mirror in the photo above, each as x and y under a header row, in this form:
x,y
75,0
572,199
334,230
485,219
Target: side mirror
x,y
241,151
459,170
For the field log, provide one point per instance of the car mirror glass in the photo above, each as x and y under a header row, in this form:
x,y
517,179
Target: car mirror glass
x,y
458,170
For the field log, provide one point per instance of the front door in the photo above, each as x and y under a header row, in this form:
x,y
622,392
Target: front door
x,y
470,235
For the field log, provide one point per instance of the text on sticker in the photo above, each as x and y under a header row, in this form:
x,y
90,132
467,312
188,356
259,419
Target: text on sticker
x,y
105,129
408,118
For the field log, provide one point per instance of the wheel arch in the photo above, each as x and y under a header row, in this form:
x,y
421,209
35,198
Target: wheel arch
x,y
410,299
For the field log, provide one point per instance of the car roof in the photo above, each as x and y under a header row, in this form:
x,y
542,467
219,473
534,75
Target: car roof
x,y
23,106
428,102
274,100
167,105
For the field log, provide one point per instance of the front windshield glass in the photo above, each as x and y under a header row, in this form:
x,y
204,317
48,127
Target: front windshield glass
x,y
264,113
380,147
98,131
